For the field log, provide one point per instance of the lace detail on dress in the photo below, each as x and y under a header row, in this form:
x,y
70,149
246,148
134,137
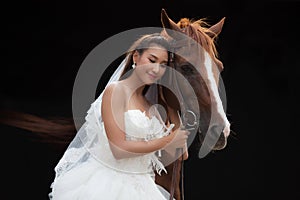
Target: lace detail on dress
x,y
158,166
152,127
73,155
140,127
91,142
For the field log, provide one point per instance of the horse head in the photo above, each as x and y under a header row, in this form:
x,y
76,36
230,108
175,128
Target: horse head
x,y
196,59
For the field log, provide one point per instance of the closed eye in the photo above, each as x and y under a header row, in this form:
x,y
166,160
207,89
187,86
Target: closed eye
x,y
151,60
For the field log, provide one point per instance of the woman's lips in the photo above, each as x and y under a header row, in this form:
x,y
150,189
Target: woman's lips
x,y
152,76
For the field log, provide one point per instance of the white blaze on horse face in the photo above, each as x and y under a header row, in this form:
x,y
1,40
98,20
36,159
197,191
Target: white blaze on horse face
x,y
217,107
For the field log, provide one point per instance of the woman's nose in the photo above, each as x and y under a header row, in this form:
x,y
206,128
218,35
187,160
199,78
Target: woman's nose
x,y
155,68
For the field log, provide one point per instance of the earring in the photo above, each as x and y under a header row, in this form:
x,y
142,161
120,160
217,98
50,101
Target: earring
x,y
133,65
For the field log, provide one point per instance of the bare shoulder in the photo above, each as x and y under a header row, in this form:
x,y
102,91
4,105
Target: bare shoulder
x,y
113,87
114,93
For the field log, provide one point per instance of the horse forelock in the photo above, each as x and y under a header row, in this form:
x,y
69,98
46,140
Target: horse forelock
x,y
199,33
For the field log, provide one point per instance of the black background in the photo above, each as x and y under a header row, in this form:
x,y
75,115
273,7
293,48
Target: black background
x,y
44,43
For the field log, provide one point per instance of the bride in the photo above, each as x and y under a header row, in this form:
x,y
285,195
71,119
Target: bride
x,y
114,154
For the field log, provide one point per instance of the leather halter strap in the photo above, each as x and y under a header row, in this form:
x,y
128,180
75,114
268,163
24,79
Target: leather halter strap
x,y
174,176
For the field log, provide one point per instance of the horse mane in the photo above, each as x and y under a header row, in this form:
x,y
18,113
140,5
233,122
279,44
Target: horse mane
x,y
200,32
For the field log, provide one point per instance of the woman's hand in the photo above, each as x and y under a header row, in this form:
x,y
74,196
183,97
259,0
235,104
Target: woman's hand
x,y
178,141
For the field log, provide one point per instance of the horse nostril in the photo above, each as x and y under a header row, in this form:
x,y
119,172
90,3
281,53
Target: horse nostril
x,y
215,137
221,143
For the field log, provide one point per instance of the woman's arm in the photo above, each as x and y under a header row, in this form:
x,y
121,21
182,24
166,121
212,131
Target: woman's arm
x,y
113,108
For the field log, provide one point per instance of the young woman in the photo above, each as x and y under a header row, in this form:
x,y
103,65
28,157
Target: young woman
x,y
115,152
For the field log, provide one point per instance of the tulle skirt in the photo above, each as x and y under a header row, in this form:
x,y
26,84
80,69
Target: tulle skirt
x,y
94,181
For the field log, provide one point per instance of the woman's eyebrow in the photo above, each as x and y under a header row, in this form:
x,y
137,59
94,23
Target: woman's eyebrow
x,y
165,61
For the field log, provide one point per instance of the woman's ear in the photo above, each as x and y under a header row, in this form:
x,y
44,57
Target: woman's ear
x,y
135,56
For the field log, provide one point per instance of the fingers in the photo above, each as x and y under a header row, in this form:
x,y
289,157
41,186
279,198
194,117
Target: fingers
x,y
181,138
185,133
178,141
180,134
188,132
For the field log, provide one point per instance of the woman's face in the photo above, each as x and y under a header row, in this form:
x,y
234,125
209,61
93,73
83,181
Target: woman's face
x,y
151,63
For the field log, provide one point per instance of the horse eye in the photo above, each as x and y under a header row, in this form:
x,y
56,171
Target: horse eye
x,y
187,69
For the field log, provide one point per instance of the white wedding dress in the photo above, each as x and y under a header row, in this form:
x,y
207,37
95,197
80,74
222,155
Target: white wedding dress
x,y
100,176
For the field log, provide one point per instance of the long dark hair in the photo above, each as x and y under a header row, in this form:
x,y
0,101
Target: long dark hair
x,y
59,131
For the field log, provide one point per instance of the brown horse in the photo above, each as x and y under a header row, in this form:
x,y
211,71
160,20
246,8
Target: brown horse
x,y
196,59
212,124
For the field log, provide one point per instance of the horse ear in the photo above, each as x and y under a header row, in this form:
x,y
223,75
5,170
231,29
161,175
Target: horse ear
x,y
167,23
216,29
